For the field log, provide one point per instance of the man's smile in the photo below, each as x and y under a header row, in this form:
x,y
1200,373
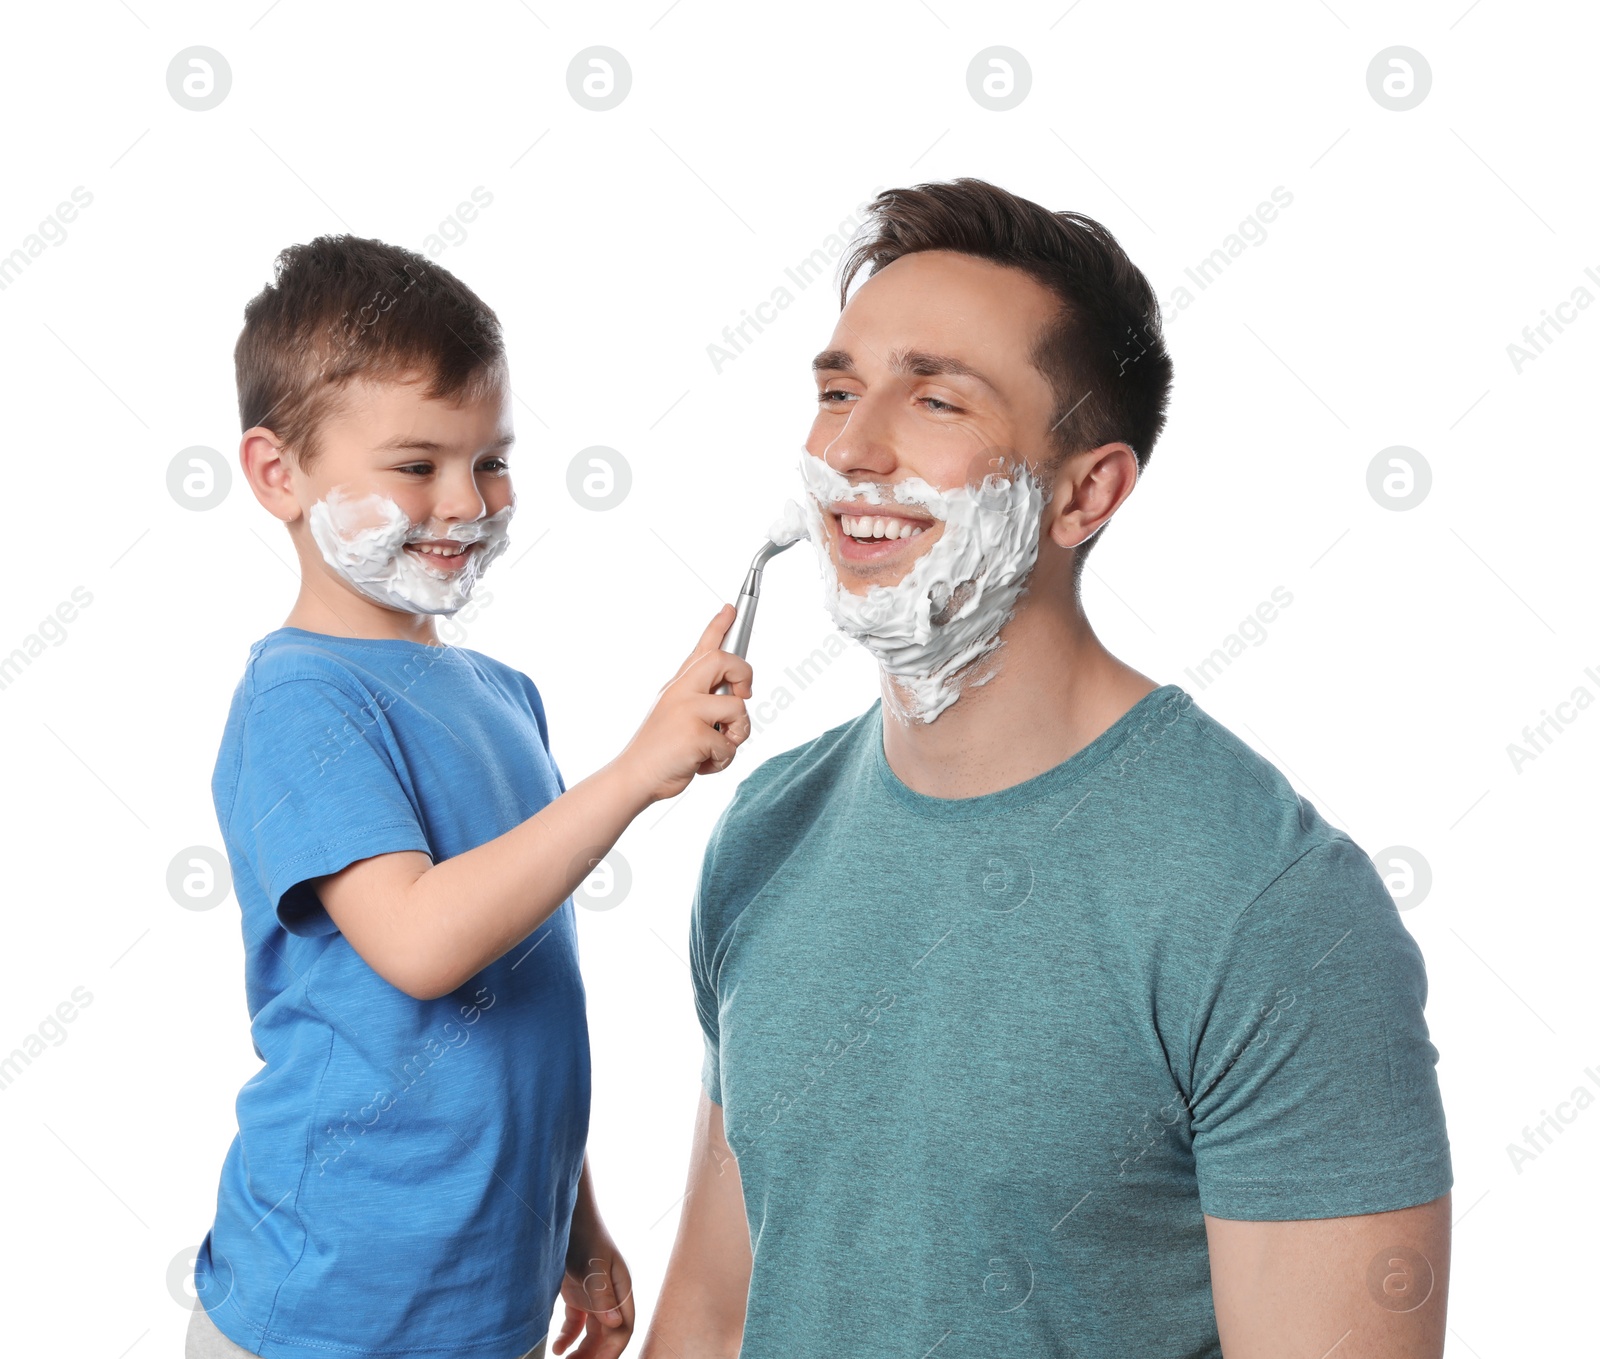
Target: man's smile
x,y
875,533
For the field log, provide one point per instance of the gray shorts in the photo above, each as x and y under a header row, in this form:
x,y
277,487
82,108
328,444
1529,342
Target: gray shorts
x,y
205,1341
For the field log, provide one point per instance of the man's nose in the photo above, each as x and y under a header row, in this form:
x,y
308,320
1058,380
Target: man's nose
x,y
866,444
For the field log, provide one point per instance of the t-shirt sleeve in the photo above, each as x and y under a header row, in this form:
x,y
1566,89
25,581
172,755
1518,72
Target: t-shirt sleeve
x,y
320,786
1314,1086
703,970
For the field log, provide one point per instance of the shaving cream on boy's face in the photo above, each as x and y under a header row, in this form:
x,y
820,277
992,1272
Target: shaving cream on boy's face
x,y
947,611
364,539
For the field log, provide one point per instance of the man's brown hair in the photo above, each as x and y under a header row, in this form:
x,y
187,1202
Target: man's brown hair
x,y
1103,355
345,307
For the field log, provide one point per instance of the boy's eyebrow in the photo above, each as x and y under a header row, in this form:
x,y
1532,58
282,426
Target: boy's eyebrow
x,y
401,444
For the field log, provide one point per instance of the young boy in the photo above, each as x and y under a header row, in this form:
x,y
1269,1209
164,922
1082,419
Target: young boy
x,y
409,1175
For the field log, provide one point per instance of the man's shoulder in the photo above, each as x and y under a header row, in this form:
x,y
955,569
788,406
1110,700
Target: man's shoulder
x,y
1197,779
775,808
803,775
1223,783
771,814
1213,809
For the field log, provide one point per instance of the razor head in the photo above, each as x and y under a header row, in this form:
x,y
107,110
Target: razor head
x,y
768,550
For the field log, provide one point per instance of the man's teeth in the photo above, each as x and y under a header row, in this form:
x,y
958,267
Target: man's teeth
x,y
876,526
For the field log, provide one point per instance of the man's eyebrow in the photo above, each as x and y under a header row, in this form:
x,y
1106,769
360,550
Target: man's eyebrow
x,y
919,363
906,363
401,444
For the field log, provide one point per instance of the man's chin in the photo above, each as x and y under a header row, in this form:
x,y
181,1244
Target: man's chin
x,y
859,581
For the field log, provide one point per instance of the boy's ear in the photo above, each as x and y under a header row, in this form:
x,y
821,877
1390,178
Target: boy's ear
x,y
266,467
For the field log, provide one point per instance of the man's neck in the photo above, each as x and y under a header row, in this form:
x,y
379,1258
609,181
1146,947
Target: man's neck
x,y
1055,689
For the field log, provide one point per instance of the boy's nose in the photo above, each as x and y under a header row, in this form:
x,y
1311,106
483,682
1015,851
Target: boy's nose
x,y
459,498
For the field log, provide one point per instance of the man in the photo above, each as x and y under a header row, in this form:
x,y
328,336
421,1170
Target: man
x,y
1042,1017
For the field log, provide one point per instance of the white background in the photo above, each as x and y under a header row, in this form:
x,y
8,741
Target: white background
x,y
1377,312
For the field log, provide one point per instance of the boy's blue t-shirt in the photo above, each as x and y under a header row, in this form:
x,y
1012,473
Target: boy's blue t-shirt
x,y
404,1174
987,1063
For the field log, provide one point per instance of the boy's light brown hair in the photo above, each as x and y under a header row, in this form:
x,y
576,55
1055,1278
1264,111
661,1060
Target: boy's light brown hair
x,y
346,307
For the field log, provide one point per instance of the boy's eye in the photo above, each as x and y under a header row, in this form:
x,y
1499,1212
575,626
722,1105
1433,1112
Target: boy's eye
x,y
497,466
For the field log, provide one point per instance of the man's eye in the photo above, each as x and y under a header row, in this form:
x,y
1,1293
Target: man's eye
x,y
934,404
835,397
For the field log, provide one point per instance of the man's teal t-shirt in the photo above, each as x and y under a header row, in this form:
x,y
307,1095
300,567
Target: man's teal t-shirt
x,y
404,1174
986,1062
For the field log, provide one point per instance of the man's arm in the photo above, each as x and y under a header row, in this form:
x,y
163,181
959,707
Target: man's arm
x,y
1371,1286
700,1313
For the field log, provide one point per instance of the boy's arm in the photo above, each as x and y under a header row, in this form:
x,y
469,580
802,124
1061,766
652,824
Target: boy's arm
x,y
427,928
597,1291
700,1313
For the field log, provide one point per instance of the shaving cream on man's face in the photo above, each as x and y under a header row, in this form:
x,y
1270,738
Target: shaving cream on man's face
x,y
373,557
946,613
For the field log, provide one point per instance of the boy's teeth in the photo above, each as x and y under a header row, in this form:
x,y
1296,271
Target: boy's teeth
x,y
440,551
876,526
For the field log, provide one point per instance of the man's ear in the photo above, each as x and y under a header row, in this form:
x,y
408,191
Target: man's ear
x,y
265,463
1089,488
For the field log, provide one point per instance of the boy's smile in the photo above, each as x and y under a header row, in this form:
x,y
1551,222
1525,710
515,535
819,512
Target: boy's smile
x,y
443,556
